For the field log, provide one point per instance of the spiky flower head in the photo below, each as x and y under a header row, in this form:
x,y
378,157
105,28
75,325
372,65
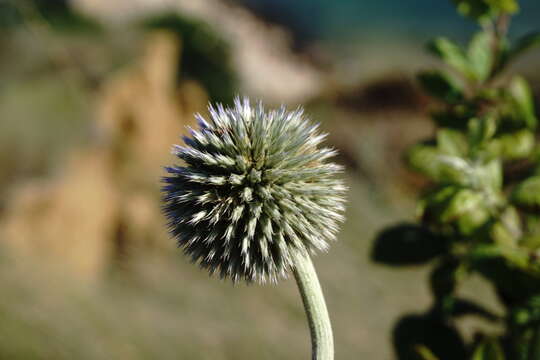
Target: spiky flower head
x,y
255,189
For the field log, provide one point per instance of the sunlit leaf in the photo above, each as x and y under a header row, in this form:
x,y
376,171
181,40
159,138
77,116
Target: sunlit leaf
x,y
489,176
512,255
429,161
452,54
454,170
480,54
523,100
463,208
527,193
507,230
463,201
514,145
452,142
423,158
473,220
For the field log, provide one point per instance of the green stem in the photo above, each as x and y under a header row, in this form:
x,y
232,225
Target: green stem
x,y
322,342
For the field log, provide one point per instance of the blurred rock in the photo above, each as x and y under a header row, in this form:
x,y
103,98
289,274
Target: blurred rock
x,y
262,56
104,204
71,219
141,113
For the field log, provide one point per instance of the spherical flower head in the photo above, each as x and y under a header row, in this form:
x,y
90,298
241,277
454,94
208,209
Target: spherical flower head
x,y
256,188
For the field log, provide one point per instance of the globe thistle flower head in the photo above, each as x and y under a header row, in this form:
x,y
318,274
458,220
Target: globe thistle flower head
x,y
255,188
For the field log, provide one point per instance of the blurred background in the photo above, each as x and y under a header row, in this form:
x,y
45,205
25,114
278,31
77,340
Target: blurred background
x,y
92,95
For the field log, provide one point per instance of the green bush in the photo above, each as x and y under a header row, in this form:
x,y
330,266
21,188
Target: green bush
x,y
481,213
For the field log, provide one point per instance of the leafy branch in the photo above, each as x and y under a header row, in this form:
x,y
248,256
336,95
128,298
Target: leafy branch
x,y
483,205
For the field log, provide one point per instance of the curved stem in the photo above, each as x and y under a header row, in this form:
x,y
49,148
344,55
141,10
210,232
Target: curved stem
x,y
322,342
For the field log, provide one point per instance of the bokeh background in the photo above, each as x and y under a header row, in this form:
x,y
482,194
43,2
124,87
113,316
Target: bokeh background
x,y
92,95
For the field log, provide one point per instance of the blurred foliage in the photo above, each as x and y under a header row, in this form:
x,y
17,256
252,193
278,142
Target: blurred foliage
x,y
486,10
57,13
205,55
478,215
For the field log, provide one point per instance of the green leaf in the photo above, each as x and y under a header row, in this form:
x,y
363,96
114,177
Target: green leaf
x,y
480,55
489,176
531,242
423,158
515,145
470,209
441,86
425,353
527,193
507,230
452,142
476,9
452,54
462,202
512,255
523,100
481,130
473,220
467,208
454,170
532,222
429,161
504,6
489,349
436,201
